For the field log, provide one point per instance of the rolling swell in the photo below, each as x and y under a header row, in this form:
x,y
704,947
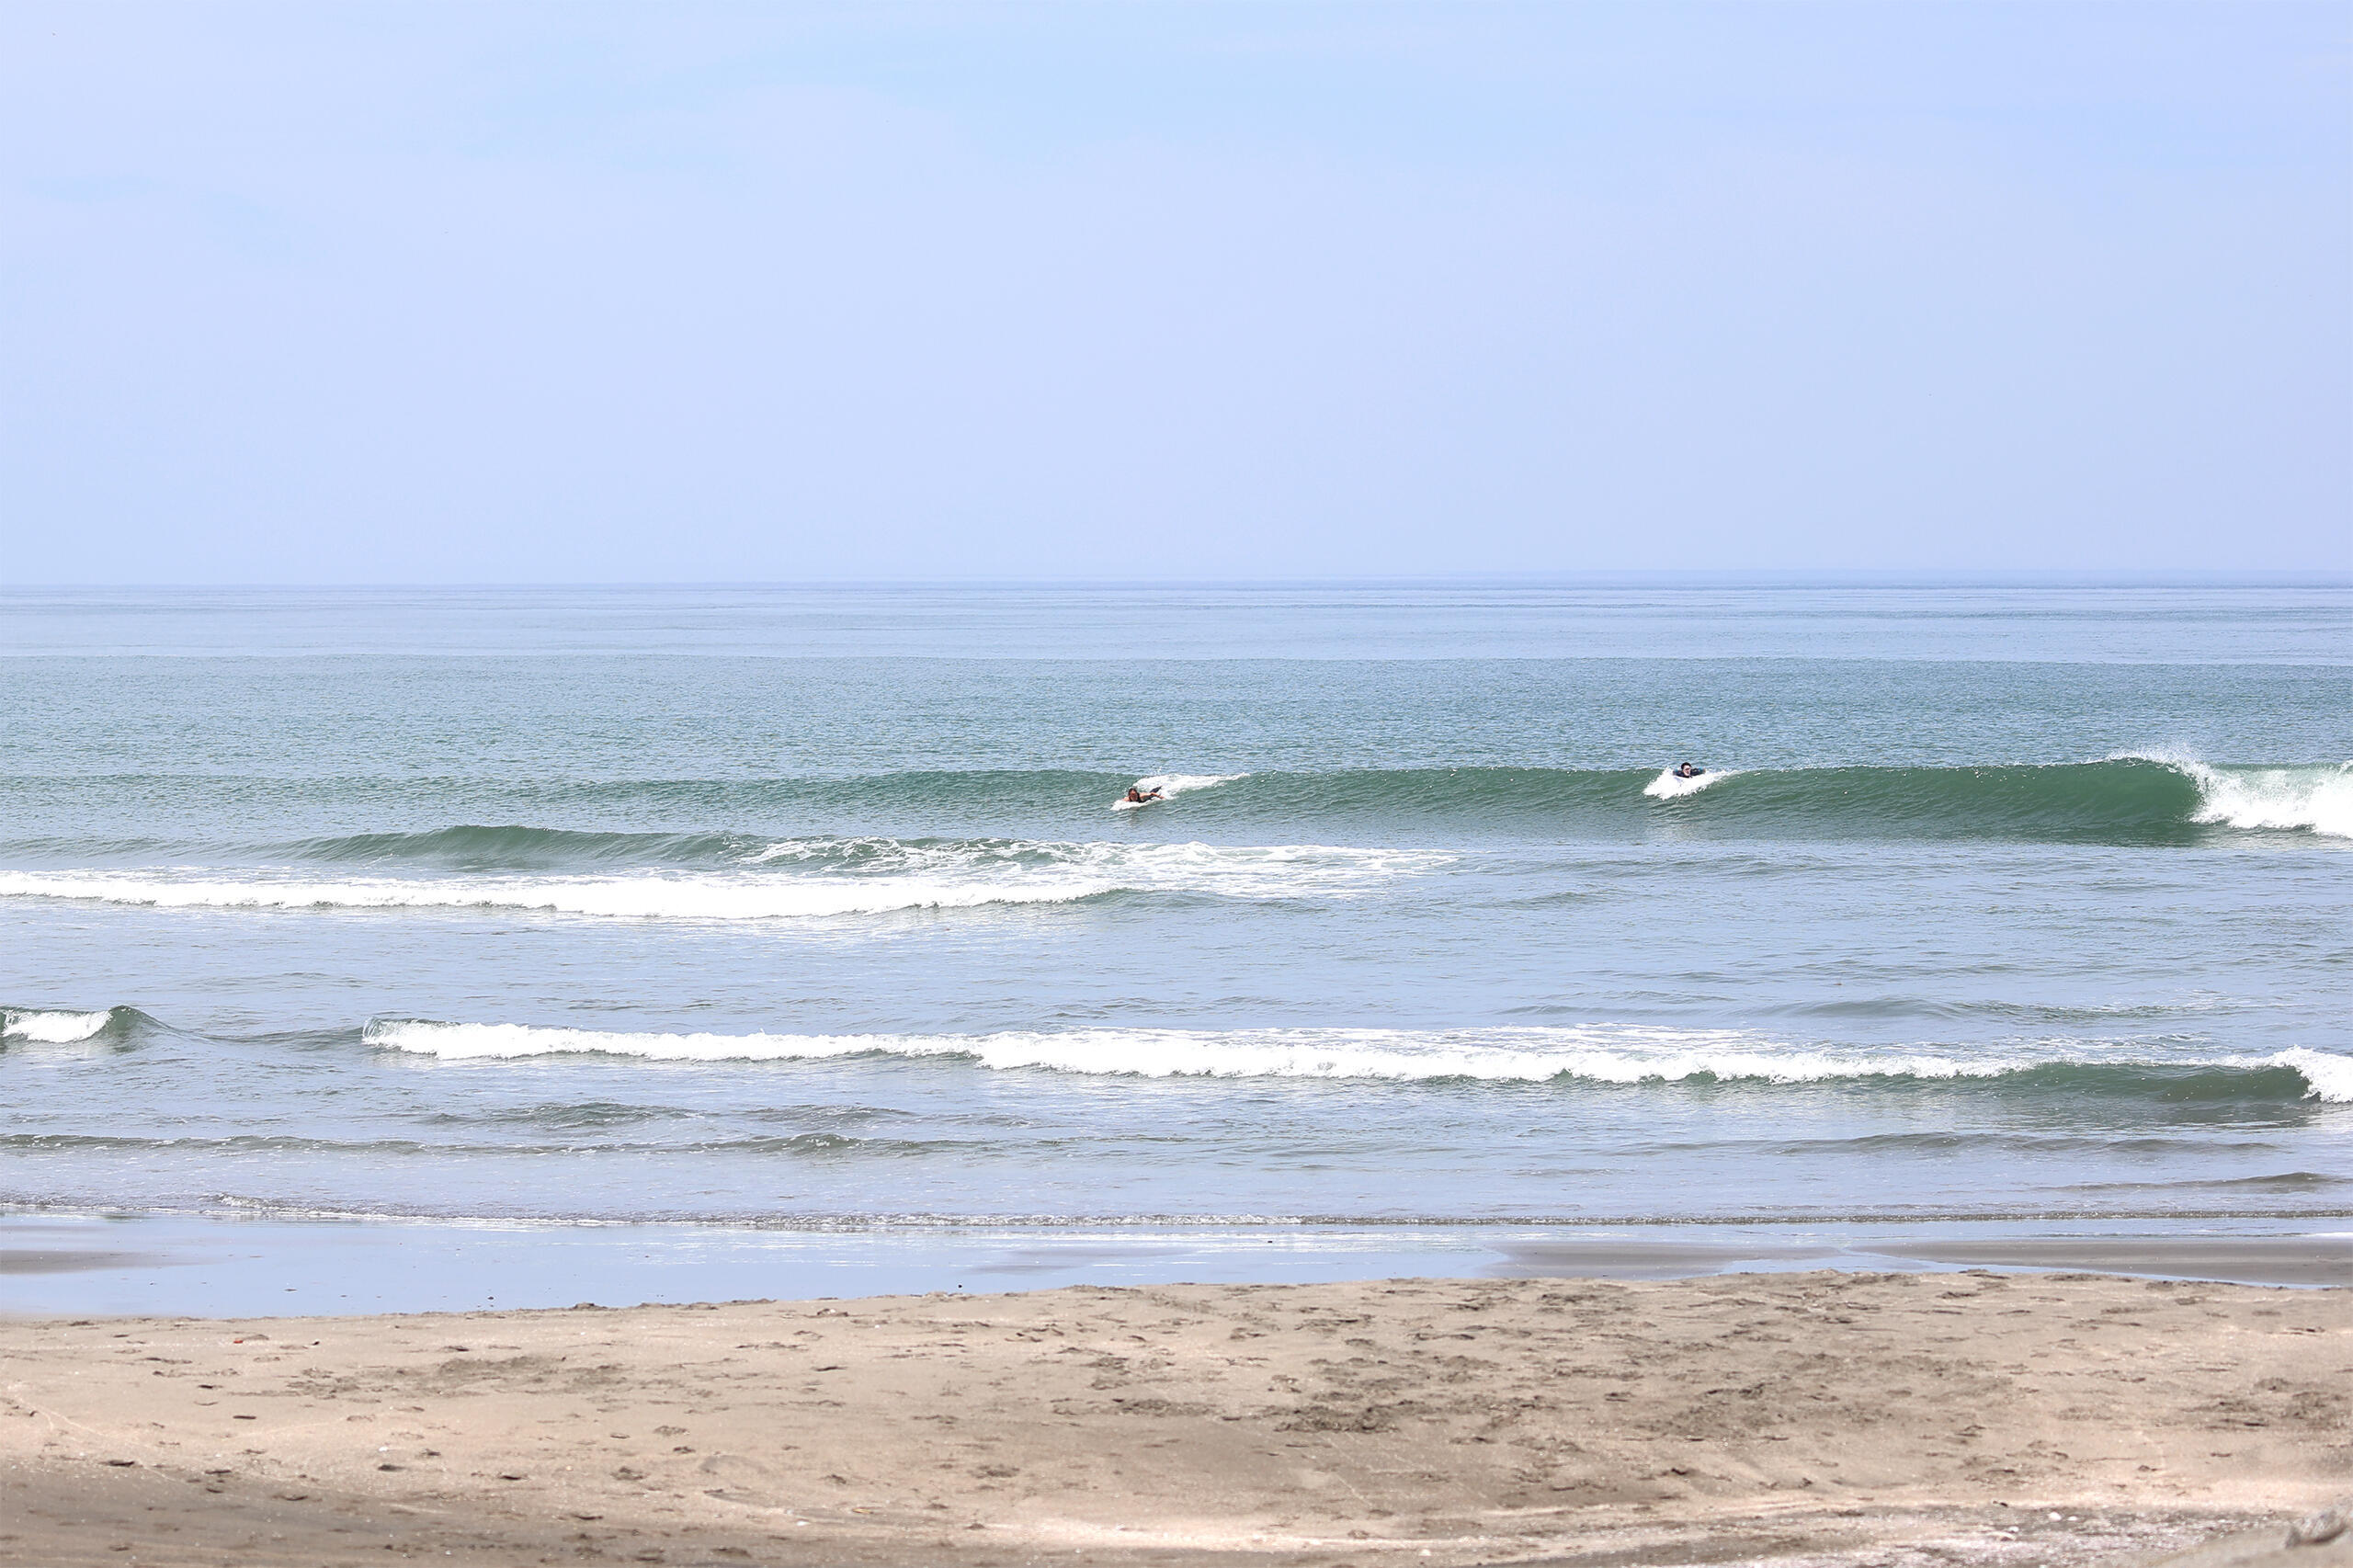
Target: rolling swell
x,y
591,824
2124,800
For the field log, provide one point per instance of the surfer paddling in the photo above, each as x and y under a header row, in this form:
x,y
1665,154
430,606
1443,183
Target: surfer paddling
x,y
1135,797
1683,778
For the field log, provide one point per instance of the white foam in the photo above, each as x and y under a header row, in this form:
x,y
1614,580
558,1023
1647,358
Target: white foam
x,y
640,898
1607,1053
1172,785
2318,800
2315,799
1618,1054
2330,1076
952,877
1667,787
51,1028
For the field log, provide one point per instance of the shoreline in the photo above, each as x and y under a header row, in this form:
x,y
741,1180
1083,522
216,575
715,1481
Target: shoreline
x,y
75,1264
1822,1416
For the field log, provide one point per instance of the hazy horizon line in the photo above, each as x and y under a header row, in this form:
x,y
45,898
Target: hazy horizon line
x,y
1662,578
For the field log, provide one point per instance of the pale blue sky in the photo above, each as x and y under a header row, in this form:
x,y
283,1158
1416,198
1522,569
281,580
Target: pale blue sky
x,y
421,292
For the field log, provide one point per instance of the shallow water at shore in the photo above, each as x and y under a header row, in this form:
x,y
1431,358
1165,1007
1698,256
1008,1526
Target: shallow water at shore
x,y
217,1267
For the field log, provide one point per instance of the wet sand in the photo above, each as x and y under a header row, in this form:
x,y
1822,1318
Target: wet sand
x,y
1815,1417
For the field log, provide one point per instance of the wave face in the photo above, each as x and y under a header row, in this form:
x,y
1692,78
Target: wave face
x,y
798,879
523,849
2124,800
2138,799
1603,1054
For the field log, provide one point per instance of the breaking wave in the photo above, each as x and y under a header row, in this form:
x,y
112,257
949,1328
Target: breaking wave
x,y
1603,1054
41,1027
2319,799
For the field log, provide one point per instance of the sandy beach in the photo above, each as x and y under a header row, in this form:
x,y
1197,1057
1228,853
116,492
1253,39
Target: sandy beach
x,y
1804,1418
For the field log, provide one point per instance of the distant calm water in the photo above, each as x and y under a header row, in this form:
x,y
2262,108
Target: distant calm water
x,y
813,908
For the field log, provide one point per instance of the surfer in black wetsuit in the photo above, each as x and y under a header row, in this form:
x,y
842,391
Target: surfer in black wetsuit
x,y
1684,770
1132,798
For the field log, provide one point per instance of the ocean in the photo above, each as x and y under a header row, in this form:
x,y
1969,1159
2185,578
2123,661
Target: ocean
x,y
414,947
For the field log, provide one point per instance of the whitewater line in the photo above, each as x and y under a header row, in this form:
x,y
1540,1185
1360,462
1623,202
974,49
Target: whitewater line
x,y
1599,1053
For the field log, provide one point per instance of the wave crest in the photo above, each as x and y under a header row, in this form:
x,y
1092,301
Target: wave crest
x,y
2330,1076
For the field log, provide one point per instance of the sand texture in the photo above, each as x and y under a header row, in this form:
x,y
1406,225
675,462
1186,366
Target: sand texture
x,y
1804,1417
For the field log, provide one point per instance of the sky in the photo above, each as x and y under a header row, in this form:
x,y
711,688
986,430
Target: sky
x,y
439,291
